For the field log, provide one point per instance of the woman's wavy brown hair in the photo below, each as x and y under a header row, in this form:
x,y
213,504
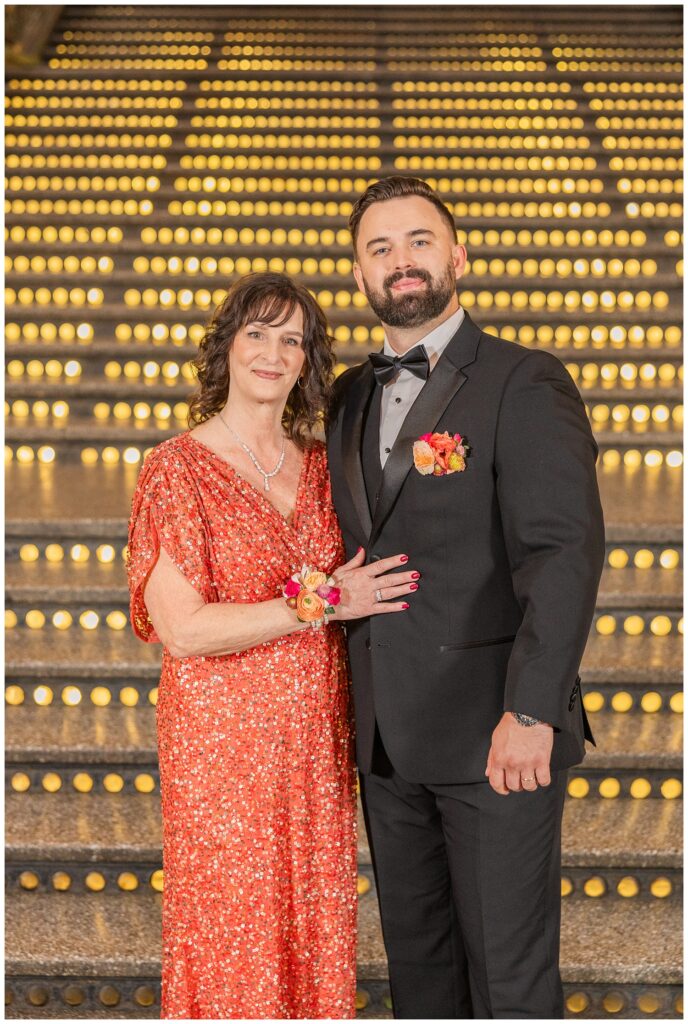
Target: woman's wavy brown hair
x,y
269,299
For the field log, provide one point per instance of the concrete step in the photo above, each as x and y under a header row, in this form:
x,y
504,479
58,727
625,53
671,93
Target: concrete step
x,y
86,734
103,654
111,936
641,505
44,829
106,583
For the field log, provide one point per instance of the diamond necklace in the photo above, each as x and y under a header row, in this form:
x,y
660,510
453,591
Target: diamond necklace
x,y
266,476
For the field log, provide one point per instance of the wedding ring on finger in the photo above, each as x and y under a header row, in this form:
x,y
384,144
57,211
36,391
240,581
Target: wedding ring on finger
x,y
527,778
378,596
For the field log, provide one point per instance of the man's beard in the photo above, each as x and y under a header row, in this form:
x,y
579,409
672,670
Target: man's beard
x,y
415,308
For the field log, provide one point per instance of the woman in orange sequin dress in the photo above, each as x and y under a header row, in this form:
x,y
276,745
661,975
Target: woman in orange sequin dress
x,y
253,715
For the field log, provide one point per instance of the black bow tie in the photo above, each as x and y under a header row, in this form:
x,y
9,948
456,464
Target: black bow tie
x,y
387,367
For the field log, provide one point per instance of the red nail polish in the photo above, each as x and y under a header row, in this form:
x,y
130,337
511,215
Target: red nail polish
x,y
405,606
415,575
413,586
404,558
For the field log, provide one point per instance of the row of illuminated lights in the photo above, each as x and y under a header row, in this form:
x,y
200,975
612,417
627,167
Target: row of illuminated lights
x,y
231,208
186,36
210,183
496,267
643,104
614,1002
544,335
72,369
291,121
327,236
605,624
639,123
58,264
102,141
270,49
103,161
657,142
660,887
162,411
304,162
588,373
652,66
74,995
71,695
203,298
610,458
272,103
54,121
98,84
81,207
134,64
508,121
513,186
145,995
589,237
578,788
332,208
140,49
43,183
140,411
94,102
280,162
209,265
532,142
106,554
249,208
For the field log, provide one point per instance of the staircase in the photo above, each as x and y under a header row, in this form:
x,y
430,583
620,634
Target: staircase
x,y
156,154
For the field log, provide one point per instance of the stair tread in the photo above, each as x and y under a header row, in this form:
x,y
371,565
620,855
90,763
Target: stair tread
x,y
94,580
86,734
126,828
108,654
118,935
642,503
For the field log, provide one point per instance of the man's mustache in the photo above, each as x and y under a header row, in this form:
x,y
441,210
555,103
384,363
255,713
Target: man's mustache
x,y
393,278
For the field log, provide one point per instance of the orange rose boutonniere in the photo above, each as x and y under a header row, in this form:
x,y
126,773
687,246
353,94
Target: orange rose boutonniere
x,y
440,454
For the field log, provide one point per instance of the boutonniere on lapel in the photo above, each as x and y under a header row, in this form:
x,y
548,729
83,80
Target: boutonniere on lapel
x,y
440,454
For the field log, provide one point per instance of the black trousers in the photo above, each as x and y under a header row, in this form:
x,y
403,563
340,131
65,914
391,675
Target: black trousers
x,y
469,890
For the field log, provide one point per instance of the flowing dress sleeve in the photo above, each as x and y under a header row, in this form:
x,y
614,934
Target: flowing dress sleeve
x,y
166,512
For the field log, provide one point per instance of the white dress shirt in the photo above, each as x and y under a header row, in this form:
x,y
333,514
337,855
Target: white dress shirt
x,y
399,395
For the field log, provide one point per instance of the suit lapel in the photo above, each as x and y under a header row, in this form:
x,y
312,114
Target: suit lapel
x,y
352,426
440,388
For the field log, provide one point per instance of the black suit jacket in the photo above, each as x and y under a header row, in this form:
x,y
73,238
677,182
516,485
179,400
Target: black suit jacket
x,y
511,551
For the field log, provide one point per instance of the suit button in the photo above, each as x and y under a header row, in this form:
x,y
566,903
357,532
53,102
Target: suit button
x,y
374,558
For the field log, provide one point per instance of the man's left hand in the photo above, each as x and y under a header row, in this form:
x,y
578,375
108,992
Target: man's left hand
x,y
519,756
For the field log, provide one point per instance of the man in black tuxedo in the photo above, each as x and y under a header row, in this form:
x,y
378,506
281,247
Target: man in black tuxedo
x,y
468,704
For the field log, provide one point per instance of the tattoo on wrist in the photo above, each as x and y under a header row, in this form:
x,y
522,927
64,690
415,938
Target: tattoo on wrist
x,y
526,720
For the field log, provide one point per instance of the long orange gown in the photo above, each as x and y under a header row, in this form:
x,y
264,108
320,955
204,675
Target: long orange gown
x,y
257,774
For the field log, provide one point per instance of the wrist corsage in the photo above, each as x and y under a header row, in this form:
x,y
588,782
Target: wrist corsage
x,y
312,594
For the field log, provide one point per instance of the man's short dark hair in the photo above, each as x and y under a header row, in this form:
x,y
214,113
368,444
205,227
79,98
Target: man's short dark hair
x,y
396,187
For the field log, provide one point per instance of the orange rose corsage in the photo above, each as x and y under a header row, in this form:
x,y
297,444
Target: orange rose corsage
x,y
440,454
312,594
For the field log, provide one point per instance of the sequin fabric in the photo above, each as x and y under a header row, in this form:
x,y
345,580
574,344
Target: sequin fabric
x,y
256,757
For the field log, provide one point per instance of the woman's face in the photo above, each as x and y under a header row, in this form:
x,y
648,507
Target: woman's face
x,y
265,361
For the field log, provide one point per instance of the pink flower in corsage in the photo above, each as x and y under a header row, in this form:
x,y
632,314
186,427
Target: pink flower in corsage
x,y
313,594
440,454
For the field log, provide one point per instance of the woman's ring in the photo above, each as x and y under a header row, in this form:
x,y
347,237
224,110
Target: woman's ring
x,y
378,595
525,778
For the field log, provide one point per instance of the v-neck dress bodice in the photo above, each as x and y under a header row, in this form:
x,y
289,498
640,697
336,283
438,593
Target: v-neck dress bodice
x,y
255,752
